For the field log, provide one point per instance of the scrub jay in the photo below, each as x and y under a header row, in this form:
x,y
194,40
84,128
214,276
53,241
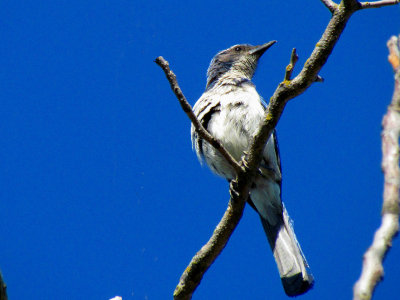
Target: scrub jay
x,y
231,110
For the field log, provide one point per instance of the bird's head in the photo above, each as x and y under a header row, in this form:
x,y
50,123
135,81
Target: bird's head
x,y
239,61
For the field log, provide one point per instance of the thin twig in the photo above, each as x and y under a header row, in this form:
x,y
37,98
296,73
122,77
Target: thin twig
x,y
289,69
330,5
372,270
379,3
3,288
203,133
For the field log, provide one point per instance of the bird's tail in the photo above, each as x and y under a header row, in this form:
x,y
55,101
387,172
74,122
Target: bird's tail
x,y
293,268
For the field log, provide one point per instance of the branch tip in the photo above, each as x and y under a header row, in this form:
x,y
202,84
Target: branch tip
x,y
319,78
378,4
332,6
289,69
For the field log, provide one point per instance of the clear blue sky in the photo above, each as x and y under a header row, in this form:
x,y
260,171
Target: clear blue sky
x,y
100,192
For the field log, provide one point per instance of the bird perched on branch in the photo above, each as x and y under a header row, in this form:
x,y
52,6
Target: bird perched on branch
x,y
231,110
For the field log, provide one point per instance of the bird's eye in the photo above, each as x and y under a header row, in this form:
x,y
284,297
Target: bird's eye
x,y
237,49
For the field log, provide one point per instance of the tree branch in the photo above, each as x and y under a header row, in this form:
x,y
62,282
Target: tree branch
x,y
372,270
379,3
289,89
203,133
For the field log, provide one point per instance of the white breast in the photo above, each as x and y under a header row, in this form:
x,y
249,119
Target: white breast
x,y
234,124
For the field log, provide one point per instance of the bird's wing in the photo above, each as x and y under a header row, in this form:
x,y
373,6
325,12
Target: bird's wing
x,y
204,110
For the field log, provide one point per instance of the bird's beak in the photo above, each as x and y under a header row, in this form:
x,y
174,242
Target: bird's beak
x,y
259,50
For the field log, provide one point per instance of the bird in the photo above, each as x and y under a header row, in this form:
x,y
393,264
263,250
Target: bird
x,y
231,110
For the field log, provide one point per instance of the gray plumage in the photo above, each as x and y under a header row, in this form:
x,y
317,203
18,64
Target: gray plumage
x,y
231,110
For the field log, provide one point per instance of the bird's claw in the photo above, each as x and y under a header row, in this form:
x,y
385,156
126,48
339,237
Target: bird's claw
x,y
233,189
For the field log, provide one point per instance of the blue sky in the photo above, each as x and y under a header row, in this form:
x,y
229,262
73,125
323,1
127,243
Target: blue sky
x,y
101,194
